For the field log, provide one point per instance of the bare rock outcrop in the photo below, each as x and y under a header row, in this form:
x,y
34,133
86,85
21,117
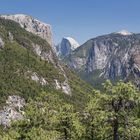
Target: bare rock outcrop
x,y
12,111
32,25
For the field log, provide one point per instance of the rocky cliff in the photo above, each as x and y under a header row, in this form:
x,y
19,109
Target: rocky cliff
x,y
1,43
12,111
66,46
32,25
113,56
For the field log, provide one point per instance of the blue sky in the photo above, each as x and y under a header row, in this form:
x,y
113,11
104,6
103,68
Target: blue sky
x,y
80,19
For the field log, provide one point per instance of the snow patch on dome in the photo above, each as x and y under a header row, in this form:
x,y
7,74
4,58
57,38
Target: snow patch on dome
x,y
73,43
124,32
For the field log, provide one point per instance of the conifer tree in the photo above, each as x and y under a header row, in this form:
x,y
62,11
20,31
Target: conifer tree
x,y
113,114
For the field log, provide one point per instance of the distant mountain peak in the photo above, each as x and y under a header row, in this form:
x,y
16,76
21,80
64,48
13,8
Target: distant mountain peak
x,y
124,32
67,46
74,43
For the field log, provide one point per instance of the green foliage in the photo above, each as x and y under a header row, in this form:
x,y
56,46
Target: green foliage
x,y
93,78
113,114
47,118
46,107
80,90
69,124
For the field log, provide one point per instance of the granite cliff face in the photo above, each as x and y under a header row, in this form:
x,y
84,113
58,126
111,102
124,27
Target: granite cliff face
x,y
66,46
1,43
12,111
32,25
114,56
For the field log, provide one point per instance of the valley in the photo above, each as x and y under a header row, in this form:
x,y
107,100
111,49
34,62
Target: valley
x,y
67,91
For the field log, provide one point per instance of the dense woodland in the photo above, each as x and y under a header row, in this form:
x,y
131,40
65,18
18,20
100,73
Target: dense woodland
x,y
110,115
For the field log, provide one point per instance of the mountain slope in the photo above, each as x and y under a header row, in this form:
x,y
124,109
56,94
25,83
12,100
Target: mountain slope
x,y
29,67
114,56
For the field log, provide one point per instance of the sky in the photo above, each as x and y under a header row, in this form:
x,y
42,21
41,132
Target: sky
x,y
80,19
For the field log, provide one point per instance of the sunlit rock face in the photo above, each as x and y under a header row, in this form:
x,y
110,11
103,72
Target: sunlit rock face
x,y
124,32
32,25
67,45
1,43
113,56
12,111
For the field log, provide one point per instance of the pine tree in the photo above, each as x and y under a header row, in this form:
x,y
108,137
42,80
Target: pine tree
x,y
69,124
113,114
